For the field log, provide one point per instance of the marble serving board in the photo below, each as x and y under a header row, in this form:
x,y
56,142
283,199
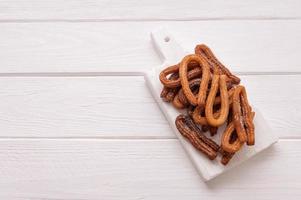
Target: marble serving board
x,y
171,52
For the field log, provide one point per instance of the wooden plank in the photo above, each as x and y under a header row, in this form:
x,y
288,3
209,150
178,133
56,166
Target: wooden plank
x,y
147,10
111,107
245,46
138,169
79,107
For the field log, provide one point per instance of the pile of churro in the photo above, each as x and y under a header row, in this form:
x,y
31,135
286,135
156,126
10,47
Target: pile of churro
x,y
212,96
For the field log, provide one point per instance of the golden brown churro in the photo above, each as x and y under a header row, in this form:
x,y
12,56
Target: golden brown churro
x,y
208,54
194,87
242,115
184,67
213,97
218,82
168,94
226,145
194,139
198,114
174,70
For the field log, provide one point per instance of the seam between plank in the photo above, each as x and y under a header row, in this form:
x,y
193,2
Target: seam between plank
x,y
289,139
120,73
89,138
145,19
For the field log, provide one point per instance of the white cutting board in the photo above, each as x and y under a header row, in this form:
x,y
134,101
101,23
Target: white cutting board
x,y
171,53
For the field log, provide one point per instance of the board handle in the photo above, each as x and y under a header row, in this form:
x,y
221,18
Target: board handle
x,y
167,47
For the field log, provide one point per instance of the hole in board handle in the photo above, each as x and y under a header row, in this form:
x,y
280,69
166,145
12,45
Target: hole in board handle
x,y
166,39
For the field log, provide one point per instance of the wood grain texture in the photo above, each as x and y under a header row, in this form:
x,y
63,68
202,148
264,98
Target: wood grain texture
x,y
147,10
122,106
137,169
79,107
246,46
91,140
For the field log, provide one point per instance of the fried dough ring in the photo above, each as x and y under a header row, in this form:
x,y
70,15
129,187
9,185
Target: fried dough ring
x,y
166,81
184,67
242,115
175,82
212,96
248,116
194,87
206,52
226,138
197,113
218,82
177,103
251,132
198,118
180,101
217,100
168,94
225,141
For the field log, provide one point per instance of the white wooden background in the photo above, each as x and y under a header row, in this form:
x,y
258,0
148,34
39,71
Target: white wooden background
x,y
77,121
